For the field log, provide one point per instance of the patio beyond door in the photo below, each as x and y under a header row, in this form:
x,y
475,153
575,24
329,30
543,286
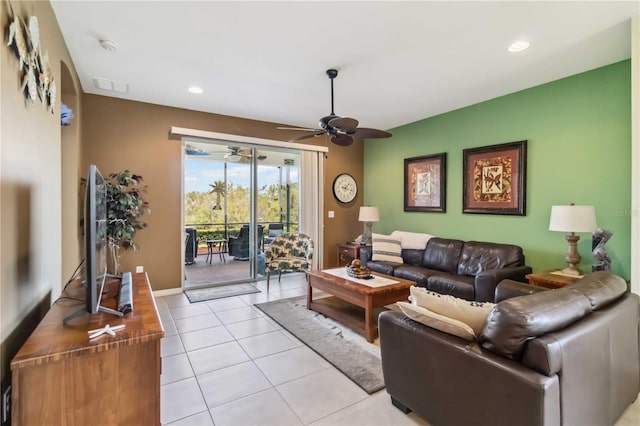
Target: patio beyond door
x,y
236,197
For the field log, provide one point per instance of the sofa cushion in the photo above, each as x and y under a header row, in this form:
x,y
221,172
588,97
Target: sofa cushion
x,y
418,274
437,321
479,256
601,288
386,248
456,285
412,240
474,314
386,268
514,321
442,254
412,256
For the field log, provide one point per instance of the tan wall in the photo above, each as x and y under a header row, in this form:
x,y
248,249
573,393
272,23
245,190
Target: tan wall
x,y
70,169
344,226
31,188
119,134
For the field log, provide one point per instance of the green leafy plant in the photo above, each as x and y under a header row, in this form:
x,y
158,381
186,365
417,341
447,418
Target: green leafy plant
x,y
125,208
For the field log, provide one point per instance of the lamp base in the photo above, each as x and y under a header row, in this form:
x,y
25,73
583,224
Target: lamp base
x,y
366,236
572,257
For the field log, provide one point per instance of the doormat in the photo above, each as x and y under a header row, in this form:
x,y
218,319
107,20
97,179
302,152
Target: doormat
x,y
218,292
348,351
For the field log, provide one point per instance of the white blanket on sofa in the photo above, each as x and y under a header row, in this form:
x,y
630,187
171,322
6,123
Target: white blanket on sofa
x,y
412,240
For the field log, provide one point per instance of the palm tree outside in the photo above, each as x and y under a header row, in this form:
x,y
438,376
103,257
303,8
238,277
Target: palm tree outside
x,y
220,190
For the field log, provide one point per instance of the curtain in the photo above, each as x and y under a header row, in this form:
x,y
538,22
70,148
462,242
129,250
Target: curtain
x,y
312,202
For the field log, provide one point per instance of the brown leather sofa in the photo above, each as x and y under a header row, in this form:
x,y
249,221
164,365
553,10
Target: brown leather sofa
x,y
469,270
555,357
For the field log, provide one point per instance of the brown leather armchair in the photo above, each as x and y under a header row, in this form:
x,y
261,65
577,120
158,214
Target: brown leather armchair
x,y
557,357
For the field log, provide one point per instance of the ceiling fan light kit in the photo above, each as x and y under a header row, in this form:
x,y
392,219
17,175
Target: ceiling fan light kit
x,y
234,158
341,130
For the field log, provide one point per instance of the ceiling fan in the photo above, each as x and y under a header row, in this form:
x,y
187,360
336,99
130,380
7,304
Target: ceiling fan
x,y
342,130
232,154
236,154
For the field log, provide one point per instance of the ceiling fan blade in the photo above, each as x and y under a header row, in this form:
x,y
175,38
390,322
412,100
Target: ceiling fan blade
x,y
298,128
366,133
342,140
344,124
313,135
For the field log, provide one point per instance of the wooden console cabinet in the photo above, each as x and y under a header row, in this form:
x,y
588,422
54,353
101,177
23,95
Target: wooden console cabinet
x,y
60,377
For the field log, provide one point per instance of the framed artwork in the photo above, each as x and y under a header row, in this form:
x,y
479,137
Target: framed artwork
x,y
494,179
425,183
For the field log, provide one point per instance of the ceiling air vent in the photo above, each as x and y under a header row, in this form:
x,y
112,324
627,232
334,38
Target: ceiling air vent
x,y
110,85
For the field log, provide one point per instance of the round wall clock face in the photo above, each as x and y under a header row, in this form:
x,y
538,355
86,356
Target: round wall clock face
x,y
345,188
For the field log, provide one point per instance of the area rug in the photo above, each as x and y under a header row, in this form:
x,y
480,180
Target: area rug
x,y
218,292
347,351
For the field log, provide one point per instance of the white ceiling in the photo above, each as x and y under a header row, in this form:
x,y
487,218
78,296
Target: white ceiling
x,y
399,62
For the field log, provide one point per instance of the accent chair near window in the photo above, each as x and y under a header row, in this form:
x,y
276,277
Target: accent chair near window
x,y
289,253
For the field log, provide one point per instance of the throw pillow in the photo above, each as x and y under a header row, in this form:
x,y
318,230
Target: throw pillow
x,y
386,248
437,321
412,240
474,314
275,232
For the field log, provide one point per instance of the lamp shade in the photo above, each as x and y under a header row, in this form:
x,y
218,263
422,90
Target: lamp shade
x,y
572,219
369,214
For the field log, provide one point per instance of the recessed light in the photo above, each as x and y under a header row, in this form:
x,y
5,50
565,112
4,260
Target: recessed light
x,y
195,89
518,46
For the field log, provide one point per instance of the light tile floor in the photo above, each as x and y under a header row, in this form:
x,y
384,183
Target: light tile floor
x,y
226,363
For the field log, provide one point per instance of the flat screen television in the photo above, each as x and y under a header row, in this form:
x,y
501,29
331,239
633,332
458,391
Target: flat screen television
x,y
96,243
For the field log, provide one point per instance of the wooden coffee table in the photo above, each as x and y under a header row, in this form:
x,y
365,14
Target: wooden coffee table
x,y
355,305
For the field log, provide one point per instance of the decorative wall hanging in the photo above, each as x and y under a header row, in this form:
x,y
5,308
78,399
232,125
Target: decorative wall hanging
x,y
425,183
494,179
37,75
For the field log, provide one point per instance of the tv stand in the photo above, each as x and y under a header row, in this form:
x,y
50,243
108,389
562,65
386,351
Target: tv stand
x,y
62,377
84,311
125,302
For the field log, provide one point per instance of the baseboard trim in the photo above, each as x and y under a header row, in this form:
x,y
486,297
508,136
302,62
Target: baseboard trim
x,y
167,292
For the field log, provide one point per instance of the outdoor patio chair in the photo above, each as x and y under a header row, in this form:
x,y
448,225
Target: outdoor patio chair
x,y
289,253
190,246
239,246
273,230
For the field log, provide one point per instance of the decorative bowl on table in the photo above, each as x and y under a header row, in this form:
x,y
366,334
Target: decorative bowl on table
x,y
361,272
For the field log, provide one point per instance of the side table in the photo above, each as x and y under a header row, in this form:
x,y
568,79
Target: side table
x,y
549,280
220,245
347,252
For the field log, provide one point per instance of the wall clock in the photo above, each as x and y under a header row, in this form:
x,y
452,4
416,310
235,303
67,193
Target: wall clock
x,y
345,188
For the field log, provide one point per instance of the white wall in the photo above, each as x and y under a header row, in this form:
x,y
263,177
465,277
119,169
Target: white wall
x,y
635,154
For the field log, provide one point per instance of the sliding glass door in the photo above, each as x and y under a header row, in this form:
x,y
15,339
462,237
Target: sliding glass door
x,y
236,199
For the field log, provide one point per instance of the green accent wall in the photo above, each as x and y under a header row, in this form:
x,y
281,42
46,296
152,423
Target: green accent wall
x,y
579,147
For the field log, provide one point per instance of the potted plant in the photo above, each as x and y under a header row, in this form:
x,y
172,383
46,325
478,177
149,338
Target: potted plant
x,y
125,208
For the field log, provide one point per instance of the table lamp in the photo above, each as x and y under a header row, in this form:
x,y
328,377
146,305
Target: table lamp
x,y
368,215
572,219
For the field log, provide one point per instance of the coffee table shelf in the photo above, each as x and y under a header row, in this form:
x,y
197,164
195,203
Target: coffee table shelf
x,y
355,305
